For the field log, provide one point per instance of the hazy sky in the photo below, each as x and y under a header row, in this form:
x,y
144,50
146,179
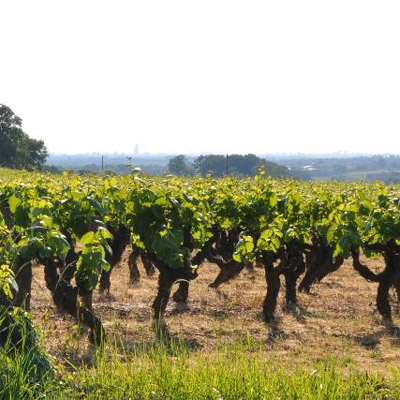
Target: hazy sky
x,y
204,76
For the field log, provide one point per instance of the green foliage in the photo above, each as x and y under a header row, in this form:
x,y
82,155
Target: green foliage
x,y
8,285
92,258
29,371
178,165
171,217
244,249
17,149
211,164
238,165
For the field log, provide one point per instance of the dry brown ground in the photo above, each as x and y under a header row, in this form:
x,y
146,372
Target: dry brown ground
x,y
338,320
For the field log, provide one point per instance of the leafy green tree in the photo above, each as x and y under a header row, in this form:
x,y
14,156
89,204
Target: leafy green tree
x,y
178,165
272,169
244,165
236,164
17,149
211,164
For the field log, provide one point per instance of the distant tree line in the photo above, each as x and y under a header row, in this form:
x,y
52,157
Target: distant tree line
x,y
221,165
384,168
17,149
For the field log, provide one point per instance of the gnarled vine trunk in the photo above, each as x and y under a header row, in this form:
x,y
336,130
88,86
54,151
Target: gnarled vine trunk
x,y
389,277
23,277
182,293
319,263
73,300
166,279
273,285
292,267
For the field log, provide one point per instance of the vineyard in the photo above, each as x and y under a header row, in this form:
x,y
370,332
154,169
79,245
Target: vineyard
x,y
74,231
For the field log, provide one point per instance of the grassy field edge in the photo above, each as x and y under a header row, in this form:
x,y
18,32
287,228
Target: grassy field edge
x,y
242,371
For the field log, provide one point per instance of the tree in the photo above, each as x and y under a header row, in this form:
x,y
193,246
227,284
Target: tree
x,y
236,164
211,164
17,149
244,165
178,165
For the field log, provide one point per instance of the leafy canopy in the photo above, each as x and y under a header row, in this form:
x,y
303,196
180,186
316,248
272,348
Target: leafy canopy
x,y
17,149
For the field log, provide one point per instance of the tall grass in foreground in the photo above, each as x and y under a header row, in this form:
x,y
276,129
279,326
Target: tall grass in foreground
x,y
24,366
159,372
21,377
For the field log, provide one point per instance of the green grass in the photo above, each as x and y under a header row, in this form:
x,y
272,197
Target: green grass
x,y
173,372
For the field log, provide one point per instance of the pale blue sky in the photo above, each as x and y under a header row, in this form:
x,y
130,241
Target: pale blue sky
x,y
204,76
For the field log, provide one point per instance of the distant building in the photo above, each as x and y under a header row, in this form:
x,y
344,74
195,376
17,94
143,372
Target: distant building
x,y
136,149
